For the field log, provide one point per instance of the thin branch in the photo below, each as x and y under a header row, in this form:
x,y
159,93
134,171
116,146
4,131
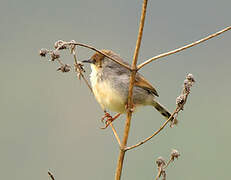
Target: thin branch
x,y
113,59
51,175
183,48
155,133
169,161
115,134
130,100
158,174
178,108
94,49
80,71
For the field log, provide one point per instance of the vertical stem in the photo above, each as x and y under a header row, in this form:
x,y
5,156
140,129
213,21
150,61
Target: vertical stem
x,y
130,98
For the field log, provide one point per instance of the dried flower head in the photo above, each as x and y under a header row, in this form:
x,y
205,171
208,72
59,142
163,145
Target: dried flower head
x,y
72,46
43,52
174,121
160,162
72,42
64,68
54,55
187,85
174,154
190,78
60,44
80,67
180,100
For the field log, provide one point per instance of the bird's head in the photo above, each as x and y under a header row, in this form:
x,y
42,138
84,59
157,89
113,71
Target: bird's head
x,y
98,60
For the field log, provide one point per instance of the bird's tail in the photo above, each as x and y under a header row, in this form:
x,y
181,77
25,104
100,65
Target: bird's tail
x,y
163,111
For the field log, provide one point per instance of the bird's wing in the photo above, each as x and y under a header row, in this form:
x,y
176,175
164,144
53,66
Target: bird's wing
x,y
140,81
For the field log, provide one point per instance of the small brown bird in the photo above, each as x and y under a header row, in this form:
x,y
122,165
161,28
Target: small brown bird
x,y
110,84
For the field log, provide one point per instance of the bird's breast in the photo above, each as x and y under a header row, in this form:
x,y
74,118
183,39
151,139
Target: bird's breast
x,y
107,96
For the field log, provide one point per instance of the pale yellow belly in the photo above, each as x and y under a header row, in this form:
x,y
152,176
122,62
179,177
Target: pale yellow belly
x,y
108,98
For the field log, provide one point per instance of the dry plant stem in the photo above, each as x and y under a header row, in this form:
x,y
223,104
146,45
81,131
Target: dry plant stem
x,y
183,48
158,174
60,62
115,134
51,175
130,100
162,127
169,161
94,49
80,71
155,133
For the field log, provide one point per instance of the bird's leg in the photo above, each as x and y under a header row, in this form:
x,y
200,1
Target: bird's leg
x,y
109,119
106,115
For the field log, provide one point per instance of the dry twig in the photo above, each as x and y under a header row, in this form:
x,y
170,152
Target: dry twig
x,y
51,175
162,165
180,102
130,100
94,49
183,48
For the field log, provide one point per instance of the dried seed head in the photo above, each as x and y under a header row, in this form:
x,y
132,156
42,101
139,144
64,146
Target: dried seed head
x,y
187,85
54,55
174,154
79,67
72,46
73,41
174,122
186,82
43,52
190,78
160,162
60,44
64,68
180,100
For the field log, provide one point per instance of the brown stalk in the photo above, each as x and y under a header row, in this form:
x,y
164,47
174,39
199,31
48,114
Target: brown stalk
x,y
161,128
130,99
158,174
94,49
154,134
51,175
80,71
115,134
183,47
169,161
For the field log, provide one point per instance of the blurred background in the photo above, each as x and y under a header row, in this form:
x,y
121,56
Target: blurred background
x,y
50,120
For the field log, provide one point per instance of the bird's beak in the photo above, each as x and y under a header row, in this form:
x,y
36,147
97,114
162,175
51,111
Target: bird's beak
x,y
88,61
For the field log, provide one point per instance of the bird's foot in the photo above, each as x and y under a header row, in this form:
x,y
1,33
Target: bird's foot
x,y
109,119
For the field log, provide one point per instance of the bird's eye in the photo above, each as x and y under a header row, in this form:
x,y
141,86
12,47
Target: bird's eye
x,y
109,66
93,61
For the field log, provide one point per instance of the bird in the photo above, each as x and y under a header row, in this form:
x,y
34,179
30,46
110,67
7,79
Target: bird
x,y
110,84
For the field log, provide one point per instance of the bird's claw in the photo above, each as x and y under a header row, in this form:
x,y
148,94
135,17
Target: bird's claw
x,y
106,115
108,120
